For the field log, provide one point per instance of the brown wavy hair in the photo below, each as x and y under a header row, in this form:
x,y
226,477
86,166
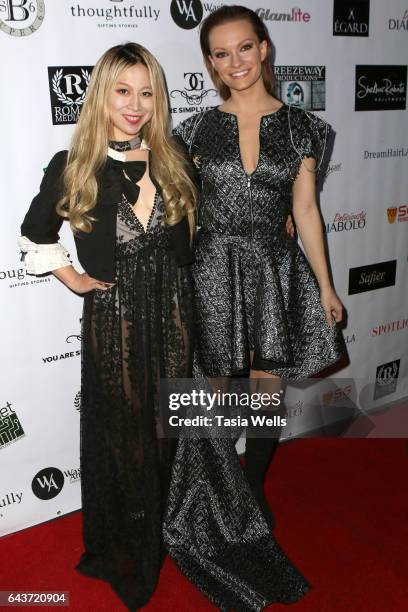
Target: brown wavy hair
x,y
226,14
89,144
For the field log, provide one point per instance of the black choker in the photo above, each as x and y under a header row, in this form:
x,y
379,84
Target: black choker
x,y
126,145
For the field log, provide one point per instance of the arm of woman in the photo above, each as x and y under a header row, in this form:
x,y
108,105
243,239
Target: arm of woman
x,y
309,226
40,258
39,242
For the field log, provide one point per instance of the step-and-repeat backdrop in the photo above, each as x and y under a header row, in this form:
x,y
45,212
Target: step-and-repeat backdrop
x,y
344,59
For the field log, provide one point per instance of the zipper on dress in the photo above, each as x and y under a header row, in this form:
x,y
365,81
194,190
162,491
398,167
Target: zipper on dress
x,y
250,204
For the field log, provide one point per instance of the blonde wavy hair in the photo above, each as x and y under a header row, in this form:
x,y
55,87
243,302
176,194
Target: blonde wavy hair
x,y
89,144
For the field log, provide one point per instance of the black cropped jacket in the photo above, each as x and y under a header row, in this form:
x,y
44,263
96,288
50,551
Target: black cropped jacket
x,y
96,249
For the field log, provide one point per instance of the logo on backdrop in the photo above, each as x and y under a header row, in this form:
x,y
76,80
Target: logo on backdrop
x,y
303,86
345,222
48,483
387,328
72,338
68,85
113,12
296,15
386,379
332,397
193,93
294,410
375,276
12,275
61,356
77,401
187,14
351,17
74,475
18,278
331,168
349,339
390,152
397,213
380,88
399,24
21,17
9,499
10,426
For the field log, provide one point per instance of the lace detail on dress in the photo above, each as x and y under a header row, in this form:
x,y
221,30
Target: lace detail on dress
x,y
130,225
133,334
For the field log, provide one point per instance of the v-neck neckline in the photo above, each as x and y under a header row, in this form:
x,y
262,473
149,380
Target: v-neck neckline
x,y
249,174
261,121
146,229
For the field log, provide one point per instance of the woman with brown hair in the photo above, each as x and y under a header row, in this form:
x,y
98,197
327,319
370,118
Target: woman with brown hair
x,y
263,309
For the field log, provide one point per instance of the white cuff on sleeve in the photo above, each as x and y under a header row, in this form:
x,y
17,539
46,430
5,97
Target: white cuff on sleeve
x,y
42,258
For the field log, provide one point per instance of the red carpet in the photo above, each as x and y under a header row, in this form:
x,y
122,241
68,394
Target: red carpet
x,y
341,508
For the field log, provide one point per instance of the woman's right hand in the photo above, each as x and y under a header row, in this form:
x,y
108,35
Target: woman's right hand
x,y
83,283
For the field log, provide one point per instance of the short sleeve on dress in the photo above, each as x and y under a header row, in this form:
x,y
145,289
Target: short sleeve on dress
x,y
186,135
309,134
186,131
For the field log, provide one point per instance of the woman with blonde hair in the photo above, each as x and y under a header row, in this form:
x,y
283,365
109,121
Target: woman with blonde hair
x,y
126,192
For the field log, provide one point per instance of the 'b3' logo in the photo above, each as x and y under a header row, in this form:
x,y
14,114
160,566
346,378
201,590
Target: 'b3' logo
x,y
187,14
21,17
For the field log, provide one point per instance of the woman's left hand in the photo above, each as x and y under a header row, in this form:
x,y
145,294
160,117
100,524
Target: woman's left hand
x,y
332,306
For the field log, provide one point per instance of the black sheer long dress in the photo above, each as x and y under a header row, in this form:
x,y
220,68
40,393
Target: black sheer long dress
x,y
133,334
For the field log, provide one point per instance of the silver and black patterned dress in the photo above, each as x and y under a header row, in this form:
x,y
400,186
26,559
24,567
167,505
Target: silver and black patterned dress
x,y
254,288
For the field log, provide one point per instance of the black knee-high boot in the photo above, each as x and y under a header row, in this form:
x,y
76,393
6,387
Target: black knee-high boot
x,y
258,455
